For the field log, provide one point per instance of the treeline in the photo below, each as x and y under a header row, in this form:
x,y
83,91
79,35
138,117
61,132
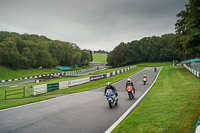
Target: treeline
x,y
100,52
188,30
148,49
31,51
183,45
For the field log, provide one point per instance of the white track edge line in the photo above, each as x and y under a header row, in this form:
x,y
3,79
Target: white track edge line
x,y
112,127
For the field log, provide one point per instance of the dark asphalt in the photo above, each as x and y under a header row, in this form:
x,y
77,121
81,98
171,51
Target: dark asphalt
x,y
85,112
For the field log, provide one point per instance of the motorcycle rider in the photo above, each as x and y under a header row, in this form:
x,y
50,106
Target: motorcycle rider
x,y
145,76
129,82
155,69
109,86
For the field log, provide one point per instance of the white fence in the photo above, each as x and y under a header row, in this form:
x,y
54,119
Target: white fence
x,y
194,72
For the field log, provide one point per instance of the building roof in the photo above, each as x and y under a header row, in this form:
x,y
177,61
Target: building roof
x,y
63,68
191,61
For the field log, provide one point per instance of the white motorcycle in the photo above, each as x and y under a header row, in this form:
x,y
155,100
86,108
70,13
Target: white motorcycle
x,y
144,80
111,97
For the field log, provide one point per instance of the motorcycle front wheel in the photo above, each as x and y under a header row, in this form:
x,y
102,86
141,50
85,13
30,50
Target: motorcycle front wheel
x,y
110,104
130,96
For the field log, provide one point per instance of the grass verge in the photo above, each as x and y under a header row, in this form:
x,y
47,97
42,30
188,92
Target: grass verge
x,y
172,105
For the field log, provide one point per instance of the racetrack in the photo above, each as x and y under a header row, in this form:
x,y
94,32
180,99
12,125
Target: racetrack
x,y
85,112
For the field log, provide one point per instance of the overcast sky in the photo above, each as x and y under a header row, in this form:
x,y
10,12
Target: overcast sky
x,y
91,24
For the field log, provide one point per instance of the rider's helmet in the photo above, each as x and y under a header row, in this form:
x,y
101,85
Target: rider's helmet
x,y
108,84
145,75
129,81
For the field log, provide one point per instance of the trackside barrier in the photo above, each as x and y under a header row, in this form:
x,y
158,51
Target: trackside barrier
x,y
63,85
40,89
78,81
52,87
68,73
198,126
194,72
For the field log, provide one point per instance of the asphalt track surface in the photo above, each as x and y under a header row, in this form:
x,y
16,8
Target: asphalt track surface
x,y
85,112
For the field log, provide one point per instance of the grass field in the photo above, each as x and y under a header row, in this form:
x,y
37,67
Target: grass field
x,y
171,106
7,73
155,64
100,58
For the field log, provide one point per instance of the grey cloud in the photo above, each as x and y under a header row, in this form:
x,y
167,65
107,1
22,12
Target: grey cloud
x,y
91,24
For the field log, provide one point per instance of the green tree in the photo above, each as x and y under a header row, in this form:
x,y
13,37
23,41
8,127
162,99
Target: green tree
x,y
188,30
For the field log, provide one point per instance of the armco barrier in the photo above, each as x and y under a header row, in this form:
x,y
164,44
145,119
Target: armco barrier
x,y
63,85
108,75
68,73
105,76
194,72
52,87
39,89
78,81
98,77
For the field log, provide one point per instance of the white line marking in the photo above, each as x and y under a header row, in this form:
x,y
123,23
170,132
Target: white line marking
x,y
131,108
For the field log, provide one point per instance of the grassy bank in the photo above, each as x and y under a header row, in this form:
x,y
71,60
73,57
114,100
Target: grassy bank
x,y
7,73
155,64
80,88
100,58
171,106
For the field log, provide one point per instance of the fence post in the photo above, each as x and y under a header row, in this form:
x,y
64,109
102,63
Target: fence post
x,y
24,91
5,94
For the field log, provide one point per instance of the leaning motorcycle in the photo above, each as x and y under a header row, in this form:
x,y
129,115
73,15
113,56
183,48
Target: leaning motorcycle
x,y
144,80
131,94
111,97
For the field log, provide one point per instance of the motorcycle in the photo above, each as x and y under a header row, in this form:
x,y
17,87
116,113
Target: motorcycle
x,y
111,97
131,94
144,80
155,69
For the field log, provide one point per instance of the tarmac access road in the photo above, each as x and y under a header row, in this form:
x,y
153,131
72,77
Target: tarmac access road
x,y
85,112
17,83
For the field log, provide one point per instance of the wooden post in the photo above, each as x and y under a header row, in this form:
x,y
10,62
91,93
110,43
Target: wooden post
x,y
24,91
5,94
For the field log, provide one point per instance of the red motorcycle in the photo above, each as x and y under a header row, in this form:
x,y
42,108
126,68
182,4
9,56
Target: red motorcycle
x,y
131,94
